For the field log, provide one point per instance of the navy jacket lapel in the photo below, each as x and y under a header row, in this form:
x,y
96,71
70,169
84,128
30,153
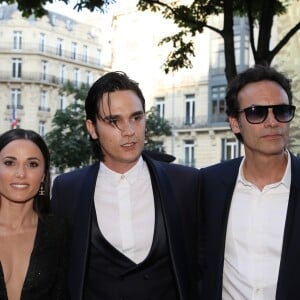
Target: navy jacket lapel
x,y
229,179
287,286
174,234
81,233
215,201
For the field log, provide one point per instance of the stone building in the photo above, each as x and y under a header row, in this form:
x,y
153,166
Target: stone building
x,y
38,56
288,61
192,100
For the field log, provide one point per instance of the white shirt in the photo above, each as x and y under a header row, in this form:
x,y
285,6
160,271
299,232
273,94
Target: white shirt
x,y
254,238
125,209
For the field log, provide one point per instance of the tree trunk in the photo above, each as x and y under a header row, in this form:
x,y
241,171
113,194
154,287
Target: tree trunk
x,y
228,35
262,55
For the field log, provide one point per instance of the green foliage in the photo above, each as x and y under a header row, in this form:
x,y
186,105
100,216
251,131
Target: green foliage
x,y
179,57
193,18
91,5
155,126
68,140
35,7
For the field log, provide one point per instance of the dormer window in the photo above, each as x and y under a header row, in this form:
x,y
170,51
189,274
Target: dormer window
x,y
69,25
53,20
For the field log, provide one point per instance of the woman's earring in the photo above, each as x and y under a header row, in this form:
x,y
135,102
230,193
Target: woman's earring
x,y
42,190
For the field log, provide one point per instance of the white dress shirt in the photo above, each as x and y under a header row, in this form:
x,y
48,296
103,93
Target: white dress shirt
x,y
125,209
254,238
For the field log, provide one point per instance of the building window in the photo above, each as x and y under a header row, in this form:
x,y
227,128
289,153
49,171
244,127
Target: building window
x,y
15,96
44,70
17,40
217,54
189,109
62,74
189,153
88,78
85,54
241,42
74,51
42,42
237,49
218,103
241,47
59,47
15,104
230,148
69,25
61,102
42,128
44,105
76,77
16,67
160,106
53,20
98,57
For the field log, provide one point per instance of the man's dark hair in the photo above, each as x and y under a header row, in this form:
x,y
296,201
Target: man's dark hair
x,y
108,83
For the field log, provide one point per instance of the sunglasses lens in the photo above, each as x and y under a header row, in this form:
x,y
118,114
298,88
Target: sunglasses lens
x,y
256,114
284,113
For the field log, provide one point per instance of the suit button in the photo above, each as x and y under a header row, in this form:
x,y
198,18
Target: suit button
x,y
146,276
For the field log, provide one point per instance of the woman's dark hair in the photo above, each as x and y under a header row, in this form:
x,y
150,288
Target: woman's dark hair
x,y
41,203
108,83
250,75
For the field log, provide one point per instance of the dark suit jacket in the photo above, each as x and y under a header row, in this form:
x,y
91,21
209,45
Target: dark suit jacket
x,y
217,185
72,197
46,277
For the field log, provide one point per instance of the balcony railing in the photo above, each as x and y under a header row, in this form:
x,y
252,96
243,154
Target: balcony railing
x,y
37,77
186,162
179,123
35,48
19,106
44,109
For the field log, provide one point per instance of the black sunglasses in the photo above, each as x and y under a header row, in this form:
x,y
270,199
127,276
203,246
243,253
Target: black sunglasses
x,y
257,114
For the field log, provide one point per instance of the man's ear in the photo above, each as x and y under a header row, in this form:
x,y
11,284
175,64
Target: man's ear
x,y
234,125
91,129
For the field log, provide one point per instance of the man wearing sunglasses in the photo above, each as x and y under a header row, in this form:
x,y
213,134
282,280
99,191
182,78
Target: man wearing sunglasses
x,y
251,205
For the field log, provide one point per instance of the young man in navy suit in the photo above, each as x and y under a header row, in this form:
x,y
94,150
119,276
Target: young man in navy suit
x,y
251,205
133,218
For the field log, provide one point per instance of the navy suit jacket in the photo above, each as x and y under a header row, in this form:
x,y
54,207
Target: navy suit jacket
x,y
217,185
178,190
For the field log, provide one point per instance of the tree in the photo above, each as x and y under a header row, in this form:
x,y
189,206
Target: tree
x,y
193,18
156,126
68,141
36,8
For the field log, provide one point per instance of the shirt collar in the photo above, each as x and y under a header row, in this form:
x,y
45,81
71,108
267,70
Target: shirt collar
x,y
285,180
131,175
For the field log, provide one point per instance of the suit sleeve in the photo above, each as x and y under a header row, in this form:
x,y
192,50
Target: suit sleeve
x,y
60,289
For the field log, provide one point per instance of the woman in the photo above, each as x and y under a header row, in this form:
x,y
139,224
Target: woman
x,y
33,243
